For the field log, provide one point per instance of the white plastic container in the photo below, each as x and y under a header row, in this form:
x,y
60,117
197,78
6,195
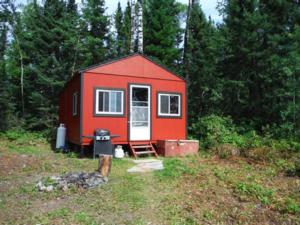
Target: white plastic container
x,y
61,136
119,152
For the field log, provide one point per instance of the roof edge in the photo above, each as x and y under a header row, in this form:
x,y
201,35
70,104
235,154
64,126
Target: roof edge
x,y
107,62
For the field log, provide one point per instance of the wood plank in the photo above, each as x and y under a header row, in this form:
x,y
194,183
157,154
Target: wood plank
x,y
145,152
141,146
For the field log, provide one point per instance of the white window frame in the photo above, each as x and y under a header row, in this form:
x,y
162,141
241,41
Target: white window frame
x,y
75,103
169,114
97,112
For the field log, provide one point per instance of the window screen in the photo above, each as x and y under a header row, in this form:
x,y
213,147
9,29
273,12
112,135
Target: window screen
x,y
109,102
169,104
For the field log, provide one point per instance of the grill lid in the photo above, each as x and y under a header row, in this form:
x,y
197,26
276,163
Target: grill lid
x,y
102,132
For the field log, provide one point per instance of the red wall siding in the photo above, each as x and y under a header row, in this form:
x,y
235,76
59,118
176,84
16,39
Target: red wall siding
x,y
162,128
71,122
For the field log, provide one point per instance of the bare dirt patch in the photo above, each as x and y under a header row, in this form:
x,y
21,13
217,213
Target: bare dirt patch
x,y
12,163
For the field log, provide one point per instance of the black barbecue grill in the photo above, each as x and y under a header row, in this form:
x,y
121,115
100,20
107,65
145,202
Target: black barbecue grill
x,y
102,142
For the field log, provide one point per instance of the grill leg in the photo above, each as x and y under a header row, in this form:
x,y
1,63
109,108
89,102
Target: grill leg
x,y
81,151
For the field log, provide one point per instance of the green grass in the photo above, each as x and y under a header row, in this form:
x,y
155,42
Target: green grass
x,y
190,190
174,168
264,195
84,218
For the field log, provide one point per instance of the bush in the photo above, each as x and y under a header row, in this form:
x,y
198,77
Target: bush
x,y
21,135
213,130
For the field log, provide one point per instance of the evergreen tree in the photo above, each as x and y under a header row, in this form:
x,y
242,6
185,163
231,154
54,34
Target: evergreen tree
x,y
260,66
161,30
48,53
200,63
96,32
127,28
6,103
242,65
120,39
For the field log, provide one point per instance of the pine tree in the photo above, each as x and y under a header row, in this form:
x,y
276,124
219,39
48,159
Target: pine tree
x,y
161,30
120,39
96,33
200,63
242,66
48,42
127,28
6,102
260,66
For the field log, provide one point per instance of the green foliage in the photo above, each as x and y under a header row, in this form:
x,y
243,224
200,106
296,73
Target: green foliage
x,y
22,135
291,206
161,30
122,23
213,130
201,52
264,195
247,68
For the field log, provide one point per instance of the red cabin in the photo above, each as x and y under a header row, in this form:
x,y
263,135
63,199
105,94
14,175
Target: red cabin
x,y
132,97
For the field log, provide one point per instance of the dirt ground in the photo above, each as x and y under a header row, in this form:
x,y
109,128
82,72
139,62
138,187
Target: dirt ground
x,y
200,189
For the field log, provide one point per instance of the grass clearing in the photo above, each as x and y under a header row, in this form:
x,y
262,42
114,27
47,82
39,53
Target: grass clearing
x,y
191,190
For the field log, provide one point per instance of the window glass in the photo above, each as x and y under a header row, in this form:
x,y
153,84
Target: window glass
x,y
119,100
164,104
140,94
113,101
106,101
169,104
174,103
101,102
109,102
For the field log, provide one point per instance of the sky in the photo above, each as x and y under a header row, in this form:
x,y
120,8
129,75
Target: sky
x,y
208,6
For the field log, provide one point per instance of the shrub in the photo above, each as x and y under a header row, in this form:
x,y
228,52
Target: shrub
x,y
213,130
21,135
227,150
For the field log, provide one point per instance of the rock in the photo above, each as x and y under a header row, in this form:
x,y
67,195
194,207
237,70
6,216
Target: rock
x,y
49,188
83,180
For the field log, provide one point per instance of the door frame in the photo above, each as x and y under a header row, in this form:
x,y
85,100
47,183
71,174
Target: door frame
x,y
129,106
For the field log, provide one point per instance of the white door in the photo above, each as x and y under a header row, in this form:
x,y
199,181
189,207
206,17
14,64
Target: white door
x,y
139,112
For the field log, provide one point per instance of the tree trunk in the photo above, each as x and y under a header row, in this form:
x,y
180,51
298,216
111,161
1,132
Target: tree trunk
x,y
104,165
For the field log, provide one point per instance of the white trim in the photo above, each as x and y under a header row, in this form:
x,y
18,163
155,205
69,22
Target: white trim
x,y
75,103
141,132
97,112
169,114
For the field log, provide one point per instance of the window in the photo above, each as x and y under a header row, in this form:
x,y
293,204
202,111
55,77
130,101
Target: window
x,y
169,104
74,103
109,102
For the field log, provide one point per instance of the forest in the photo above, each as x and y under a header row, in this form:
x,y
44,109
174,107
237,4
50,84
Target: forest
x,y
243,74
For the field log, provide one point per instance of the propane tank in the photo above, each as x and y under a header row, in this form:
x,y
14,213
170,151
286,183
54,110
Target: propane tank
x,y
61,136
119,152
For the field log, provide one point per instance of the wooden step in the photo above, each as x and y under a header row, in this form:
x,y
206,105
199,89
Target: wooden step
x,y
147,146
141,146
144,152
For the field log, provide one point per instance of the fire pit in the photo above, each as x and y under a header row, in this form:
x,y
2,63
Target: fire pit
x,y
64,182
